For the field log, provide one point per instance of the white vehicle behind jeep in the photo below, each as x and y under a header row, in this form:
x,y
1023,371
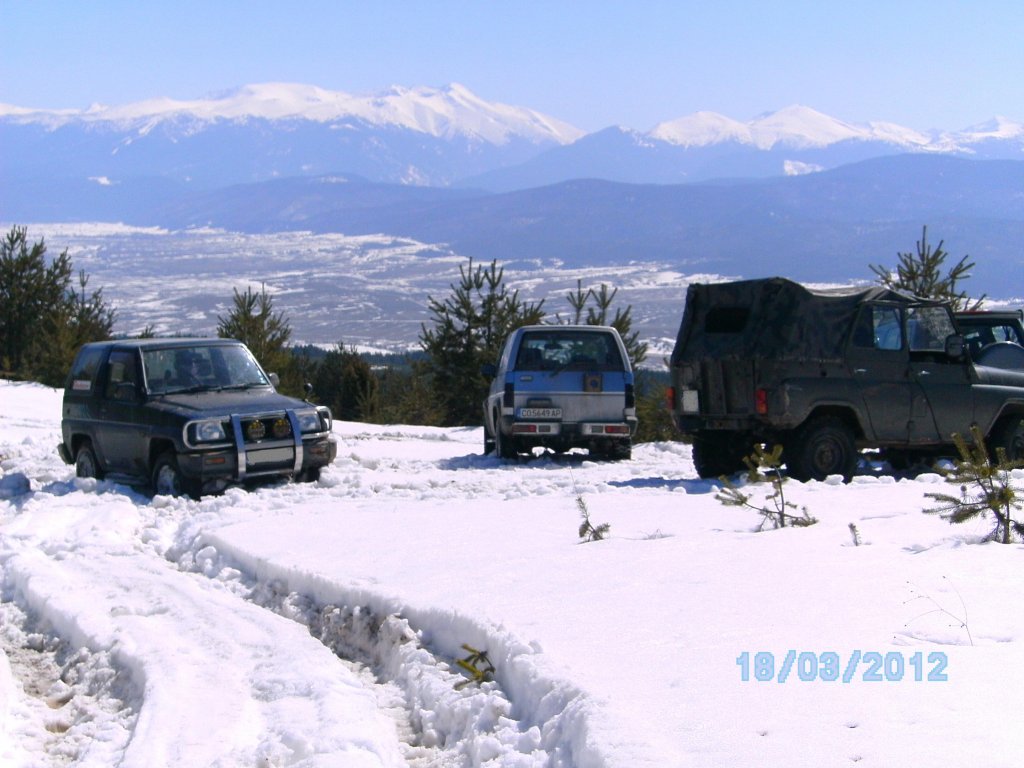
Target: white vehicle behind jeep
x,y
561,387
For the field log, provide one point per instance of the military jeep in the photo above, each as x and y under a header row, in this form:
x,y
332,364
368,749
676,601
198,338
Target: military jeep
x,y
827,373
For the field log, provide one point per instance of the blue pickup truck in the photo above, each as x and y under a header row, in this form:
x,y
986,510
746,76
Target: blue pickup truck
x,y
561,387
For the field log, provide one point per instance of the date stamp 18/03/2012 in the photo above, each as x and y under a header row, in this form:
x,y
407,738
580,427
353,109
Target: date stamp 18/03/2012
x,y
829,666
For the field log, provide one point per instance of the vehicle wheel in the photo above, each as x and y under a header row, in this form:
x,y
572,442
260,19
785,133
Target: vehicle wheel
x,y
488,443
822,447
720,453
1008,435
504,446
310,475
85,462
167,477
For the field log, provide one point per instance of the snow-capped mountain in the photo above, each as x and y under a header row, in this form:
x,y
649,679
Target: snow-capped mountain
x,y
447,113
69,163
708,145
422,136
795,126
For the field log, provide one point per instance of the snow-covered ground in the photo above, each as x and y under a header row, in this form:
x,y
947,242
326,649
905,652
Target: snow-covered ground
x,y
321,625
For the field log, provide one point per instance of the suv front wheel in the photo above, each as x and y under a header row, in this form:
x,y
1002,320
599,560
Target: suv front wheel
x,y
167,477
85,462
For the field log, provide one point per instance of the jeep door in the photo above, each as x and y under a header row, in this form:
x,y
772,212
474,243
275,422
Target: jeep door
x,y
945,382
880,366
120,431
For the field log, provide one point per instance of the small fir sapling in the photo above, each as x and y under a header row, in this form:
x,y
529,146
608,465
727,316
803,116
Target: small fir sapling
x,y
765,467
984,487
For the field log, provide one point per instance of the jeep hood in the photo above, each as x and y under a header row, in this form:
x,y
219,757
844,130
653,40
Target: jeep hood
x,y
1006,377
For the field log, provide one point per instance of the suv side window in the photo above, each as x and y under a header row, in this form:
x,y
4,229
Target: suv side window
x,y
122,377
84,369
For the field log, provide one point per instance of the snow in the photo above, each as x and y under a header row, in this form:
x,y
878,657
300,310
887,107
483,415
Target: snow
x,y
799,127
445,112
160,631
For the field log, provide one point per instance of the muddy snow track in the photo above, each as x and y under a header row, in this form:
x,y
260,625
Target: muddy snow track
x,y
128,610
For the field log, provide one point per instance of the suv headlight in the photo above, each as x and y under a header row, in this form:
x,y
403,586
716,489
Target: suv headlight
x,y
314,421
208,431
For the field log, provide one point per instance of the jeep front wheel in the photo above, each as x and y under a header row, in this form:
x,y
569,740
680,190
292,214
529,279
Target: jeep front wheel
x,y
1008,435
820,448
167,477
85,462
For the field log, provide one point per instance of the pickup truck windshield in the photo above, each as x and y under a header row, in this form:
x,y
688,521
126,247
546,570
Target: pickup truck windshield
x,y
183,369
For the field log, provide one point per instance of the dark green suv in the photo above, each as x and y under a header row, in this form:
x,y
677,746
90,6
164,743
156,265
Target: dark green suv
x,y
828,372
187,416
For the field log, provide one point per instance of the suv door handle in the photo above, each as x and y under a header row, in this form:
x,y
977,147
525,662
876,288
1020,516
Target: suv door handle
x,y
860,370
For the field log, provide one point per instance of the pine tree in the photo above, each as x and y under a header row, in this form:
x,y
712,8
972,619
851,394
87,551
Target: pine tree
x,y
43,320
984,487
253,321
920,274
344,382
597,305
467,330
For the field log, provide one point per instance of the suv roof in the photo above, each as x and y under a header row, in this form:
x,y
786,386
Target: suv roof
x,y
164,343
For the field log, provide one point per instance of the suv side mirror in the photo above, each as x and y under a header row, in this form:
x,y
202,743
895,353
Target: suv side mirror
x,y
275,380
955,346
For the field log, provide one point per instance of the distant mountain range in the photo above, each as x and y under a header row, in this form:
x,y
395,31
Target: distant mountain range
x,y
793,192
439,137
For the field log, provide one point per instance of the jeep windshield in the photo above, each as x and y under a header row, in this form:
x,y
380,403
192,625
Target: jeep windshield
x,y
177,369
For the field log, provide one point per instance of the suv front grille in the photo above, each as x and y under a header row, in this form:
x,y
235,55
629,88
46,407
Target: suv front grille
x,y
267,444
271,427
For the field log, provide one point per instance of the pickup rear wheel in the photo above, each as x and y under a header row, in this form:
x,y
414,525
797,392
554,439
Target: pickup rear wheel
x,y
823,446
85,462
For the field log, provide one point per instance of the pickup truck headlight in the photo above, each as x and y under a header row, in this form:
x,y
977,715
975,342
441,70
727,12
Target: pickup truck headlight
x,y
208,431
318,420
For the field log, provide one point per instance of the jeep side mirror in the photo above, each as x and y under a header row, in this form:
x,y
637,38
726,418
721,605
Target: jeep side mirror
x,y
275,380
308,389
490,370
955,346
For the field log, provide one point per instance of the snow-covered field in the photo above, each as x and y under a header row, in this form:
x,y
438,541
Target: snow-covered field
x,y
370,291
320,625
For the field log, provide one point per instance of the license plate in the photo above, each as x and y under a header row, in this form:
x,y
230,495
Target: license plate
x,y
263,456
540,413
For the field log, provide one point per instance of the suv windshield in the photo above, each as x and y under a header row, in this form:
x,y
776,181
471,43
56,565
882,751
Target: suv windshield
x,y
556,350
182,369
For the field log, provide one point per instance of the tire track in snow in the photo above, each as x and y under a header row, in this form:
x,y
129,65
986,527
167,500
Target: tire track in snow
x,y
445,722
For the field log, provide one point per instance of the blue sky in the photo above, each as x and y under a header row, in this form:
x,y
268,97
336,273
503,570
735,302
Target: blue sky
x,y
935,64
